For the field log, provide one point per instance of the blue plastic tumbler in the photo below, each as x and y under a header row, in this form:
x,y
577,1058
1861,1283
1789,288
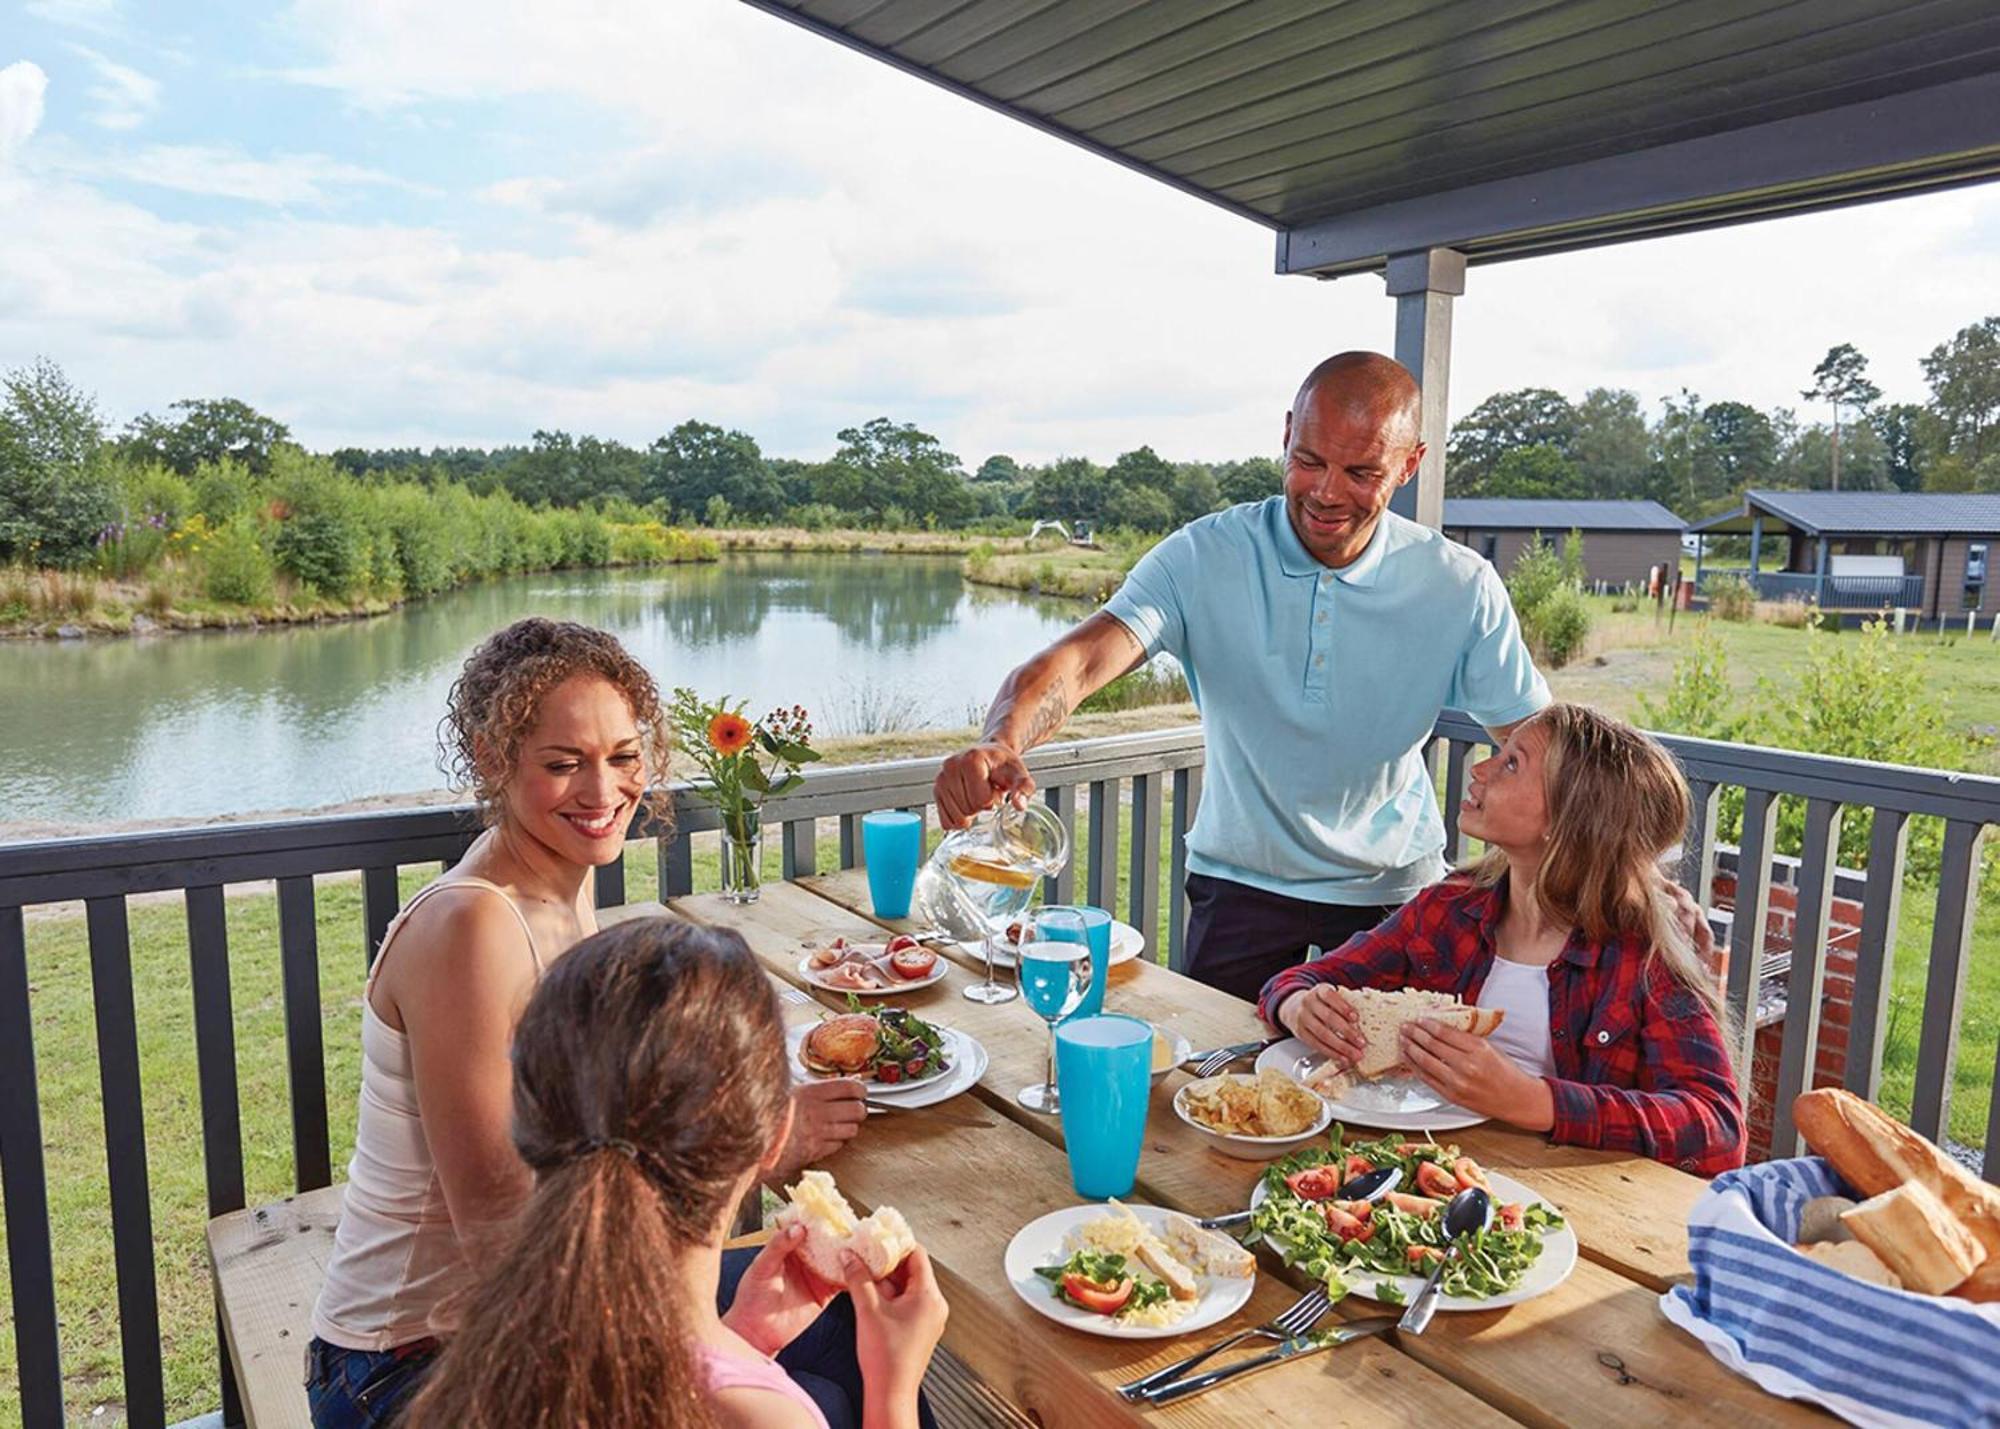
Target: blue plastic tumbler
x,y
1104,1066
1096,932
892,842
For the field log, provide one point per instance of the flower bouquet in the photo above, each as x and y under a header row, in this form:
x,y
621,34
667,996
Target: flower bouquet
x,y
745,764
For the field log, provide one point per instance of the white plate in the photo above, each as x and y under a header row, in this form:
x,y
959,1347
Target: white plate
x,y
959,1050
1127,942
1551,1268
815,976
1040,1242
1182,1049
1296,1060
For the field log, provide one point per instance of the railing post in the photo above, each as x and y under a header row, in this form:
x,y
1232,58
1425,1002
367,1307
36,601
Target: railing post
x,y
24,1191
380,897
1143,878
1875,952
125,1158
1746,927
852,849
1944,981
610,882
800,852
1187,795
1456,751
675,852
215,1070
1061,799
1804,987
1697,871
1101,877
305,1054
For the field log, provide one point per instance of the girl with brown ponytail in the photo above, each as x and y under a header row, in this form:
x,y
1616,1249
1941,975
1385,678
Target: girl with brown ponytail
x,y
650,1092
1612,1035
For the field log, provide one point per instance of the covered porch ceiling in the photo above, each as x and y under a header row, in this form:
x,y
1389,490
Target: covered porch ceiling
x,y
1412,137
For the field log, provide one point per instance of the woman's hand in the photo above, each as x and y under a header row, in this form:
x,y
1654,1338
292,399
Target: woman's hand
x,y
1471,1072
898,1321
825,1117
1325,1021
778,1296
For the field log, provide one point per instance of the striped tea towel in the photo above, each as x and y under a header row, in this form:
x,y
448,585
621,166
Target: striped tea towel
x,y
1802,1330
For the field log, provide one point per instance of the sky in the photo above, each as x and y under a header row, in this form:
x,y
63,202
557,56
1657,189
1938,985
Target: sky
x,y
393,224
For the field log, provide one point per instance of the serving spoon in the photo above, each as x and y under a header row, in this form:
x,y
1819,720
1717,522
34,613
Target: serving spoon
x,y
1469,1212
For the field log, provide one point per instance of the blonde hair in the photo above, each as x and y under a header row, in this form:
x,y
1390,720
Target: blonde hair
x,y
1617,803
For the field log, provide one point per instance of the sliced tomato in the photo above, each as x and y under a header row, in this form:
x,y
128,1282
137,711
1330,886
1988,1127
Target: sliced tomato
x,y
1345,1225
915,1066
1411,1148
1358,1166
900,942
1414,1205
1095,1296
1469,1173
1424,1254
1512,1216
912,962
1363,1211
1315,1183
889,1072
1434,1180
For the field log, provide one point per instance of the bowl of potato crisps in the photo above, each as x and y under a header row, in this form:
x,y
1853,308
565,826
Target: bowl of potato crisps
x,y
1253,1116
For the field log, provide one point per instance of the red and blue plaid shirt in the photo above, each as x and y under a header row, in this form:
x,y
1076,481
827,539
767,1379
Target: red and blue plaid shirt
x,y
1640,1061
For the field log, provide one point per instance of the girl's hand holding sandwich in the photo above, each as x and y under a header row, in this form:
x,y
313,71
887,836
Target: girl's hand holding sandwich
x,y
778,1295
1324,1019
1471,1072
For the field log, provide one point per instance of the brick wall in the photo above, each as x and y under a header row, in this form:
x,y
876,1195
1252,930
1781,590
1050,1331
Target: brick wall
x,y
1836,1015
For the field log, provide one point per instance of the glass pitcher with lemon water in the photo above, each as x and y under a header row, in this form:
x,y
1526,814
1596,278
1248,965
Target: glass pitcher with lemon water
x,y
982,878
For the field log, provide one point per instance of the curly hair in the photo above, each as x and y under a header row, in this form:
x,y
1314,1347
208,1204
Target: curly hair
x,y
498,696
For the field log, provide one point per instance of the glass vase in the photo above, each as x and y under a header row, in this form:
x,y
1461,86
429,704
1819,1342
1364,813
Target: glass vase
x,y
742,855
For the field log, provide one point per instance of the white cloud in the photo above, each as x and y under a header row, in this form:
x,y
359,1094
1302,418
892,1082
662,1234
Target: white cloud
x,y
22,88
104,17
124,97
774,233
225,171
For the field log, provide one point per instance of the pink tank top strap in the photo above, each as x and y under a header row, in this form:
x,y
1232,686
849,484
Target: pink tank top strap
x,y
724,1370
396,923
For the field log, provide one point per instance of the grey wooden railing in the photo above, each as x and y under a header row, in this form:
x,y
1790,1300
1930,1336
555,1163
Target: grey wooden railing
x,y
200,863
1152,779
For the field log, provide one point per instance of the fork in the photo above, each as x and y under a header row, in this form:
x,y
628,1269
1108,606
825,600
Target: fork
x,y
1310,1309
1222,1056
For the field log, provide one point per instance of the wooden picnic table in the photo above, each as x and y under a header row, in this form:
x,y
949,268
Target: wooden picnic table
x,y
1594,1351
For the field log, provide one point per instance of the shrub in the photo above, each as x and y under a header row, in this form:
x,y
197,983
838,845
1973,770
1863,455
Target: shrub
x,y
223,489
1147,685
1554,619
323,538
1624,605
235,566
154,490
1699,698
1793,614
1731,598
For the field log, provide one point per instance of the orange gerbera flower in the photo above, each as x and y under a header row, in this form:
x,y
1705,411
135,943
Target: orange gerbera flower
x,y
729,733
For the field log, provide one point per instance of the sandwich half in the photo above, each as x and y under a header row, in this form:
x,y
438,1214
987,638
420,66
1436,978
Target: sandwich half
x,y
881,1239
1383,1014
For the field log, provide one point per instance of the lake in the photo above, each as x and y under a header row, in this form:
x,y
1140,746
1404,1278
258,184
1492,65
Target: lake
x,y
197,725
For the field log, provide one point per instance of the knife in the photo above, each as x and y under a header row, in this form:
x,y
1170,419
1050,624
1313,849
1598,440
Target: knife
x,y
1307,1344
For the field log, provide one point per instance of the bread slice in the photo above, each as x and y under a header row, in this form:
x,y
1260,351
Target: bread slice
x,y
1915,1236
1208,1252
1851,1257
1873,1152
1384,1013
832,1228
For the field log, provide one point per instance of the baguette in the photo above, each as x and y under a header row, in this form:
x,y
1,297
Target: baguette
x,y
1851,1257
1913,1234
1873,1152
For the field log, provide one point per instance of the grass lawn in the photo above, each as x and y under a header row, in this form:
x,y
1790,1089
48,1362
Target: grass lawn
x,y
1630,654
1079,572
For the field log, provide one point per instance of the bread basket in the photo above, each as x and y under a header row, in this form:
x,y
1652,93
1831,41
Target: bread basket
x,y
1803,1330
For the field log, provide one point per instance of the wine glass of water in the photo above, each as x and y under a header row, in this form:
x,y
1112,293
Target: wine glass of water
x,y
1053,967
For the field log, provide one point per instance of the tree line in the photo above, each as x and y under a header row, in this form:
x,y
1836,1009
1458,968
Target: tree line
x,y
1697,457
66,479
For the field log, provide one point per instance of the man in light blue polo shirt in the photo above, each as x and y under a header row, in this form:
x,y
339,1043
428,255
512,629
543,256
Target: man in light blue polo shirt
x,y
1321,635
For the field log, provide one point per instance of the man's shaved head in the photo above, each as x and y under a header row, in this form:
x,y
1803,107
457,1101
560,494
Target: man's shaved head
x,y
1368,386
1354,434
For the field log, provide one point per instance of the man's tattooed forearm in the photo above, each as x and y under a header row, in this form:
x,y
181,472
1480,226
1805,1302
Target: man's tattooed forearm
x,y
1050,712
